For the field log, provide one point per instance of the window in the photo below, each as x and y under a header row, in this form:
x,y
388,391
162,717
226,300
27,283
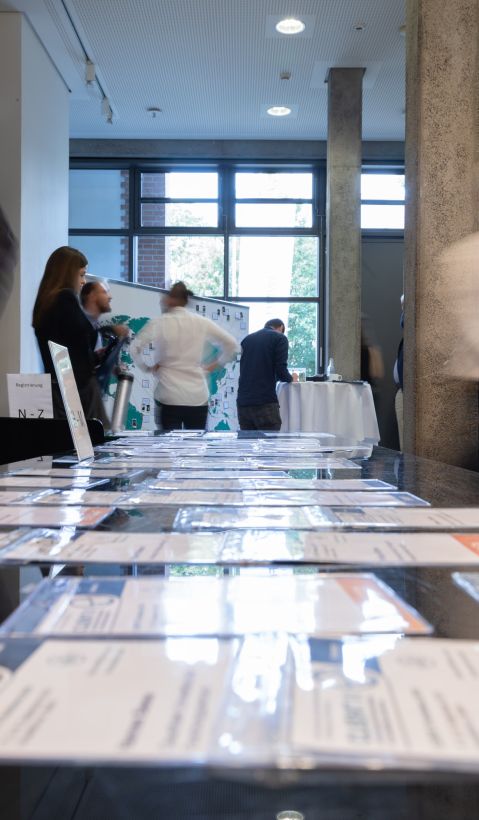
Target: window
x,y
272,266
301,327
99,217
179,199
108,256
197,260
99,199
244,233
273,200
382,200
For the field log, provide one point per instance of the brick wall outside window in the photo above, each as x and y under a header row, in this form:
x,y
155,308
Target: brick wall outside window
x,y
151,260
151,249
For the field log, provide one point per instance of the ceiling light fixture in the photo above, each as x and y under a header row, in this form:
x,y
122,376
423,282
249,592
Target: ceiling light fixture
x,y
279,111
90,70
90,73
290,25
106,110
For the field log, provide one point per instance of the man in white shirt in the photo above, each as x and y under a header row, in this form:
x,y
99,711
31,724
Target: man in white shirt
x,y
175,343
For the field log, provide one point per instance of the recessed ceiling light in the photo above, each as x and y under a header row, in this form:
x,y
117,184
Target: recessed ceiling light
x,y
278,111
290,25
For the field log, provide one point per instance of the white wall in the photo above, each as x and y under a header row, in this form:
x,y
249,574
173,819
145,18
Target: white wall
x,y
10,176
33,179
44,185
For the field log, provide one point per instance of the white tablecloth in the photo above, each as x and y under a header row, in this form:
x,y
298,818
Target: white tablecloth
x,y
346,410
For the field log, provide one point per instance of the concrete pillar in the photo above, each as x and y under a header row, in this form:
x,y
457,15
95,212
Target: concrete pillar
x,y
33,180
442,76
343,219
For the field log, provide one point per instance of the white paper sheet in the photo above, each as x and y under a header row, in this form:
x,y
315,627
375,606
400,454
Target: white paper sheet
x,y
387,700
74,473
256,547
9,537
80,497
213,476
45,516
356,548
58,547
15,497
330,499
246,518
146,606
437,518
383,518
36,482
30,395
267,485
115,701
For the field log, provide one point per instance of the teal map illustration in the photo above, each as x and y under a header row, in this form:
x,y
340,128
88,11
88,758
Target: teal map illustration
x,y
222,385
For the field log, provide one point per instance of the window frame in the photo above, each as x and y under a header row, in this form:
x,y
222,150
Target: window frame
x,y
394,167
226,223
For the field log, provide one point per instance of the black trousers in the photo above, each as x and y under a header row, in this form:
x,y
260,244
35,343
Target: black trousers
x,y
259,417
178,416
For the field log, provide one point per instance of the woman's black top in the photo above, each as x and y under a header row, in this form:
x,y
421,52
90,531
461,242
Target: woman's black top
x,y
66,324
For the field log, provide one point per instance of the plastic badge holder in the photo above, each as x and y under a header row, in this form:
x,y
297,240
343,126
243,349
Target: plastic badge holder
x,y
385,702
369,704
50,516
331,499
247,518
71,547
321,604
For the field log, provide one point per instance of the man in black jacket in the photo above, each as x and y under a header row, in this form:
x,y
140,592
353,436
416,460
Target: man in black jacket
x,y
264,361
95,299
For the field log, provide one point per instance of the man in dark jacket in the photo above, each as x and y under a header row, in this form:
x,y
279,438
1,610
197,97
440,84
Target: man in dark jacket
x,y
264,361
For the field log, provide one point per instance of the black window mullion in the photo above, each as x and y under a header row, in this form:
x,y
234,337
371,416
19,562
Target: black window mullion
x,y
226,228
224,183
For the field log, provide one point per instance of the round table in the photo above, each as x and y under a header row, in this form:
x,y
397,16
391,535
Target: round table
x,y
340,408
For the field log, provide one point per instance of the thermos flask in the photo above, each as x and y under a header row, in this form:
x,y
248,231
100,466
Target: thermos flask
x,y
120,406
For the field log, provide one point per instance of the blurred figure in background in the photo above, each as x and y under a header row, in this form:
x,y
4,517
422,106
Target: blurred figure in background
x,y
372,363
398,380
178,338
459,264
461,261
8,259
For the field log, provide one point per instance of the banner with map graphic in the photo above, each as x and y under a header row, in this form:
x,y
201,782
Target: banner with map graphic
x,y
134,305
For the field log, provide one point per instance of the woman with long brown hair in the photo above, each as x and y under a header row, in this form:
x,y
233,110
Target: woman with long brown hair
x,y
58,317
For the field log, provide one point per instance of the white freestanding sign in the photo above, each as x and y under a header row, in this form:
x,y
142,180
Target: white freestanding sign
x,y
71,400
30,395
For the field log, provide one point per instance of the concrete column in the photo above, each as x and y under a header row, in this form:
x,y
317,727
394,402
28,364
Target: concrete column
x,y
33,180
343,219
442,76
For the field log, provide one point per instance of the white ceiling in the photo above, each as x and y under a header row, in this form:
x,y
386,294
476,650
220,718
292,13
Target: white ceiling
x,y
213,66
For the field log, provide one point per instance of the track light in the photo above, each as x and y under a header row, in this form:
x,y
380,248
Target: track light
x,y
90,73
106,110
